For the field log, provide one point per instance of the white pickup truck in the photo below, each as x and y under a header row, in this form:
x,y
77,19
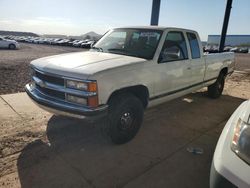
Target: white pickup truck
x,y
127,70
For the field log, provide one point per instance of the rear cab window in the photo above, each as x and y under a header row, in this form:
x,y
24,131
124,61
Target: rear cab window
x,y
194,45
174,47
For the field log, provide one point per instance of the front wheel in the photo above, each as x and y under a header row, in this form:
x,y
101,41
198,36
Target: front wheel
x,y
125,118
12,47
215,90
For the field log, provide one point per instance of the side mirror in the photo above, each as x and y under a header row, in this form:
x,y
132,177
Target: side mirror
x,y
92,44
160,59
168,55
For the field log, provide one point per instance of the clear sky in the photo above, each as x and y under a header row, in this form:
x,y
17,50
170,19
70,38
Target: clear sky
x,y
76,17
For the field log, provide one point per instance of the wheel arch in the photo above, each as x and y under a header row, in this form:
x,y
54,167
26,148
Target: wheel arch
x,y
224,70
11,44
139,91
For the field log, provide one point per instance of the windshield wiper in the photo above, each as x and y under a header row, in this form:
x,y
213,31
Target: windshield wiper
x,y
99,49
117,49
120,51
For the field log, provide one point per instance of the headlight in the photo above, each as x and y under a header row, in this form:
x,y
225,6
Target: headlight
x,y
88,86
84,86
76,85
90,101
76,99
241,140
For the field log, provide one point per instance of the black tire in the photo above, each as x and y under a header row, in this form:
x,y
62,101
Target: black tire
x,y
215,90
124,118
12,46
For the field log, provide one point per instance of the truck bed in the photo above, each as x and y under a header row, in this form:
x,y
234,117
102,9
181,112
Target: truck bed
x,y
216,61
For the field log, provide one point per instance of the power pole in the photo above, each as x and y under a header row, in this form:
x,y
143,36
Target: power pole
x,y
155,12
225,25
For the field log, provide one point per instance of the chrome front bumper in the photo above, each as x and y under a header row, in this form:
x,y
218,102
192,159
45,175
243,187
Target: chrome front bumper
x,y
61,107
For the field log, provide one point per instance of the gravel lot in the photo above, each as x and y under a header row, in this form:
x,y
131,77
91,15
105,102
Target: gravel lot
x,y
14,64
38,149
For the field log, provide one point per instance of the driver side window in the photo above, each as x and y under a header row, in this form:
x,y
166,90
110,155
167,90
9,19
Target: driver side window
x,y
174,48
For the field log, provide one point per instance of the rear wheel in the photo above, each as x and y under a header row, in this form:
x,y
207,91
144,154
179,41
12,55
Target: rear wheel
x,y
12,46
125,118
215,90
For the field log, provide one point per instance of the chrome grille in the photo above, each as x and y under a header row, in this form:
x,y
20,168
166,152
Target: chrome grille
x,y
54,86
50,92
48,78
49,85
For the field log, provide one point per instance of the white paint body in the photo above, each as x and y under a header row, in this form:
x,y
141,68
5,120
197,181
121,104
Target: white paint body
x,y
4,43
226,162
113,72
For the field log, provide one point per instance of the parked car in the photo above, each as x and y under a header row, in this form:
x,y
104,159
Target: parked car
x,y
42,41
6,43
231,161
63,42
211,49
72,42
69,42
87,44
21,39
36,40
214,49
78,44
29,39
243,50
227,48
235,49
55,41
126,71
206,48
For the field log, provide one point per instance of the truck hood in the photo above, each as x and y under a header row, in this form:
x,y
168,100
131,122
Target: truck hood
x,y
82,64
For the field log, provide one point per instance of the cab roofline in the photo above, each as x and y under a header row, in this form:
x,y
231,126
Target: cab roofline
x,y
154,28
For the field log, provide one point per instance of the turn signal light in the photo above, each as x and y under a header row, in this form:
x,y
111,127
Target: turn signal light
x,y
93,101
92,86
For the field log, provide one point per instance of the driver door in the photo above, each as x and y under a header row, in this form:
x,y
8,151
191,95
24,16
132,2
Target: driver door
x,y
173,69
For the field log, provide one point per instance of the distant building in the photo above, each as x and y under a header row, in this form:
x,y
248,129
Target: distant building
x,y
231,40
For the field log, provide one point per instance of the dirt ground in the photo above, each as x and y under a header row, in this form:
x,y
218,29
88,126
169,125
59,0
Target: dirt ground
x,y
14,64
38,149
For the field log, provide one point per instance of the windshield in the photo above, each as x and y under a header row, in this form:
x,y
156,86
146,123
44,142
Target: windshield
x,y
132,42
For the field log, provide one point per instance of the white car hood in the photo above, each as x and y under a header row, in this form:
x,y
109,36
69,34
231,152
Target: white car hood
x,y
10,40
82,64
